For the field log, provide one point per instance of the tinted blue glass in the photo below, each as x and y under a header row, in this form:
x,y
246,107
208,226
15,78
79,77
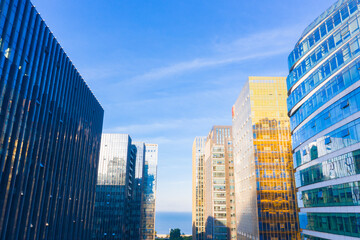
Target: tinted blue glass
x,y
324,50
336,195
334,20
334,86
338,111
49,139
338,167
347,224
328,143
322,73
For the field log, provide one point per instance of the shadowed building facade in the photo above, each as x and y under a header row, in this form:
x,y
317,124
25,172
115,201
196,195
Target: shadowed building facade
x,y
265,191
125,191
138,188
219,191
198,155
324,103
50,132
147,225
114,190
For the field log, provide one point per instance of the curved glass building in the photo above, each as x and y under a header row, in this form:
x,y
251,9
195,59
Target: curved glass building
x,y
323,104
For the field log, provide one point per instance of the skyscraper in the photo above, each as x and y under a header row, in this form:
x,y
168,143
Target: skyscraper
x,y
147,225
114,189
219,192
125,191
51,126
198,155
264,182
324,102
138,189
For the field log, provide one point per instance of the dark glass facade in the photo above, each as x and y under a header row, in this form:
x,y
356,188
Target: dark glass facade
x,y
148,202
138,186
50,132
125,191
114,188
324,109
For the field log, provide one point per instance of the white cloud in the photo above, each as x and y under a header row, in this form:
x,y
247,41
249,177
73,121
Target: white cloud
x,y
196,64
169,124
260,45
274,39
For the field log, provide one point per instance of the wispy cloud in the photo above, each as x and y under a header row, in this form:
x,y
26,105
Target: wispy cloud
x,y
200,63
260,45
255,46
165,125
278,40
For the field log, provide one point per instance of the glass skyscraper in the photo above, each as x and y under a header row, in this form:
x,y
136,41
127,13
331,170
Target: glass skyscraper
x,y
114,189
264,182
125,191
198,155
50,132
138,188
219,191
147,225
323,103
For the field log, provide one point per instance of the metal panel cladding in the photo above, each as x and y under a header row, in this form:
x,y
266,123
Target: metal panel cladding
x,y
50,132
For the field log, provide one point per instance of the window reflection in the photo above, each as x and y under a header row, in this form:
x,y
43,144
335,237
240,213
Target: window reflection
x,y
338,195
347,224
342,137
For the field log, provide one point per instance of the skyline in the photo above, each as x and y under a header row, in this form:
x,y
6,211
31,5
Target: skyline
x,y
215,55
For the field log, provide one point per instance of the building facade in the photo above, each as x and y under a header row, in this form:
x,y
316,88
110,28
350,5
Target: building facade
x,y
114,189
147,225
265,191
49,139
324,102
125,191
138,186
219,191
198,155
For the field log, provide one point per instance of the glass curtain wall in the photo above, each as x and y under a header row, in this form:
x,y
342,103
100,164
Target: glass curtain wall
x,y
50,132
323,103
265,191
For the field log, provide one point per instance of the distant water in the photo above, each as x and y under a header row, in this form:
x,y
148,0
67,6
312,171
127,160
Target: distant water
x,y
168,220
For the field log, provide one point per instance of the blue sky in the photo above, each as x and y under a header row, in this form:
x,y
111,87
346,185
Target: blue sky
x,y
167,71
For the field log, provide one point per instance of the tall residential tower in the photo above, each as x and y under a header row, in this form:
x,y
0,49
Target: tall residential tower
x,y
324,103
264,182
198,155
219,191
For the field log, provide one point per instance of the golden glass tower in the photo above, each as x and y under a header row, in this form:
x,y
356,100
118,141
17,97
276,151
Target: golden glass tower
x,y
219,191
198,154
264,182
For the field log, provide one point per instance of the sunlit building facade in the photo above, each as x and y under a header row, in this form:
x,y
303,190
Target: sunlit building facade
x,y
50,132
198,155
114,188
147,225
324,103
219,191
264,182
